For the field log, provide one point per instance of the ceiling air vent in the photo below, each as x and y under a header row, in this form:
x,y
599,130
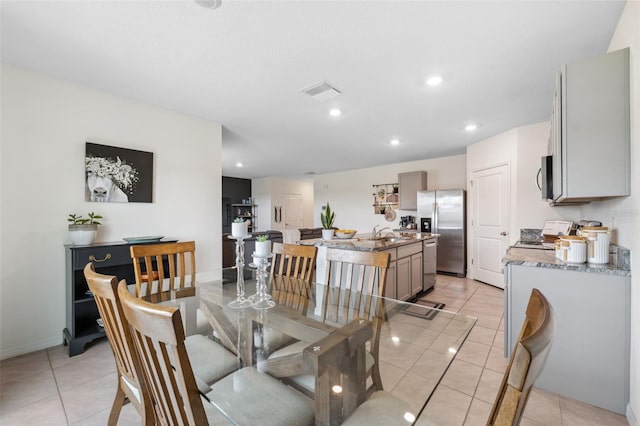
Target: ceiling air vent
x,y
321,91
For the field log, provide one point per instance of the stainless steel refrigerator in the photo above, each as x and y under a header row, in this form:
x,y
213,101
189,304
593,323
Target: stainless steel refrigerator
x,y
444,213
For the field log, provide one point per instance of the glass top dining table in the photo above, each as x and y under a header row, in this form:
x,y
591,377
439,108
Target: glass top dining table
x,y
413,344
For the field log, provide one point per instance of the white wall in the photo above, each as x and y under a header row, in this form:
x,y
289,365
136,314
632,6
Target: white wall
x,y
623,215
350,192
45,124
269,192
521,148
530,209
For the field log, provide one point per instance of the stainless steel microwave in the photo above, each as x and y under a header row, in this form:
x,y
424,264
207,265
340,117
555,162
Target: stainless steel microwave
x,y
546,174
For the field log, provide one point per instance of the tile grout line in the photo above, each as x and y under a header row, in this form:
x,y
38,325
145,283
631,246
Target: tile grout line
x,y
55,379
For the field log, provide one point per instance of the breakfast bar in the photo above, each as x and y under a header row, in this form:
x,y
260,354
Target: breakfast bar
x,y
412,267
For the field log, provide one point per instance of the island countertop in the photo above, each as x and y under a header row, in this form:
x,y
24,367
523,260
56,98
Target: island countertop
x,y
363,242
547,259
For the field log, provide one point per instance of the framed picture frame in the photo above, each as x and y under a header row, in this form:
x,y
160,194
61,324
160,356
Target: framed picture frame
x,y
118,175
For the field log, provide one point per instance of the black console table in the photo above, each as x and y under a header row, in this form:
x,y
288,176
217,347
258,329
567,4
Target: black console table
x,y
82,312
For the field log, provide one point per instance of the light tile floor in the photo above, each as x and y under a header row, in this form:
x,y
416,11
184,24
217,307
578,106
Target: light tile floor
x,y
49,388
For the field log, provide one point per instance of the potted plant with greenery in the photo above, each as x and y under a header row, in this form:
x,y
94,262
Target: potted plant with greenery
x,y
239,228
263,246
327,217
82,231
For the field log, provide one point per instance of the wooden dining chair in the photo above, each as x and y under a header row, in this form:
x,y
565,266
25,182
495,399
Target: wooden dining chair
x,y
162,267
166,267
245,395
293,260
131,386
297,262
353,282
526,363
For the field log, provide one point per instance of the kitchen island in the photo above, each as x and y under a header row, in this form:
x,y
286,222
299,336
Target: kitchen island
x,y
589,358
409,272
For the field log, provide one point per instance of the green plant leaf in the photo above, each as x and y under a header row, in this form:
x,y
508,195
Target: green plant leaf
x,y
327,217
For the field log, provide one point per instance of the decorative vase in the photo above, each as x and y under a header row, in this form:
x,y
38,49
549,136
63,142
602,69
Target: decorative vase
x,y
263,248
327,234
82,235
239,229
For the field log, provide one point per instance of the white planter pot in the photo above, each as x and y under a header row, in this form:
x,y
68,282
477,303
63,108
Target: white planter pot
x,y
239,229
327,234
82,235
263,248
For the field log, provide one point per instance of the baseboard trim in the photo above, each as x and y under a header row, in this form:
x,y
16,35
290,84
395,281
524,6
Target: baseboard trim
x,y
631,417
31,347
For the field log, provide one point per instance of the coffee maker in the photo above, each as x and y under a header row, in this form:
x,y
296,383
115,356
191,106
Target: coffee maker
x,y
407,222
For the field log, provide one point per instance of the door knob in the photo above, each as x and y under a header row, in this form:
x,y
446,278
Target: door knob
x,y
503,233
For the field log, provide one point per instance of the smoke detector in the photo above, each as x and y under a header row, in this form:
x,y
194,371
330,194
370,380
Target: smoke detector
x,y
322,91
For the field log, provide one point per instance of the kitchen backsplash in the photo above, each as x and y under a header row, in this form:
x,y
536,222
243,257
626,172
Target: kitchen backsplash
x,y
530,234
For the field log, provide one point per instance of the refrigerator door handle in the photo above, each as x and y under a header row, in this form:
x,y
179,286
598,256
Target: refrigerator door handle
x,y
434,228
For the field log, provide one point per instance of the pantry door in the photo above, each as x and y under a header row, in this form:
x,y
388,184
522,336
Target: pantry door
x,y
490,221
292,211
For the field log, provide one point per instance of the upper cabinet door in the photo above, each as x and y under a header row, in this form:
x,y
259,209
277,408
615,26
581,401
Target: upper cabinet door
x,y
409,184
595,130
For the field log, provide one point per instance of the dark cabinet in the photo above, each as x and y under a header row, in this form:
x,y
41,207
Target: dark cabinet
x,y
81,311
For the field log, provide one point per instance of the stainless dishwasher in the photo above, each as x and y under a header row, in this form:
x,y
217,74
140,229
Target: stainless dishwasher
x,y
429,258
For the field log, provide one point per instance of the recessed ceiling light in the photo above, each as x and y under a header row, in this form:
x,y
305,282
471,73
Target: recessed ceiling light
x,y
335,112
239,164
470,127
394,142
434,80
209,4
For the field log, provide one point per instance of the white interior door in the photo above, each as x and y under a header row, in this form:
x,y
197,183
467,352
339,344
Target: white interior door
x,y
490,223
292,211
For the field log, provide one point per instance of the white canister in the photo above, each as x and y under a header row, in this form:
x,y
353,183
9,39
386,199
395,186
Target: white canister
x,y
263,248
239,229
573,248
558,249
598,238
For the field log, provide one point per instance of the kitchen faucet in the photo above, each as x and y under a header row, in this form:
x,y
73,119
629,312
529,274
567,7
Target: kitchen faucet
x,y
377,234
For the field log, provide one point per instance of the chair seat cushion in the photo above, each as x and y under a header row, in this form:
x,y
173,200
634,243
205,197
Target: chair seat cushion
x,y
381,408
210,361
253,398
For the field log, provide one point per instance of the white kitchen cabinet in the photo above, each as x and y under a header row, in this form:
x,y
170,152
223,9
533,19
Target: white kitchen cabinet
x,y
390,287
409,270
409,184
416,273
403,278
590,130
589,358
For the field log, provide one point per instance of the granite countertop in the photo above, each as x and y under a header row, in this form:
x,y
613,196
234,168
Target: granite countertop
x,y
360,242
547,259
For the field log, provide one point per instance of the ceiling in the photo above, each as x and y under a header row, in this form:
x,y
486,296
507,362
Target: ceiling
x,y
244,65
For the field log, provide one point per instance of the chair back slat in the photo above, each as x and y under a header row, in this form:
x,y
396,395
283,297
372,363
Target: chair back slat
x,y
167,266
354,281
159,338
294,260
526,362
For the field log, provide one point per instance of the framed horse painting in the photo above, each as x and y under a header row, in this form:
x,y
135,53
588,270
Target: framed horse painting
x,y
118,175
